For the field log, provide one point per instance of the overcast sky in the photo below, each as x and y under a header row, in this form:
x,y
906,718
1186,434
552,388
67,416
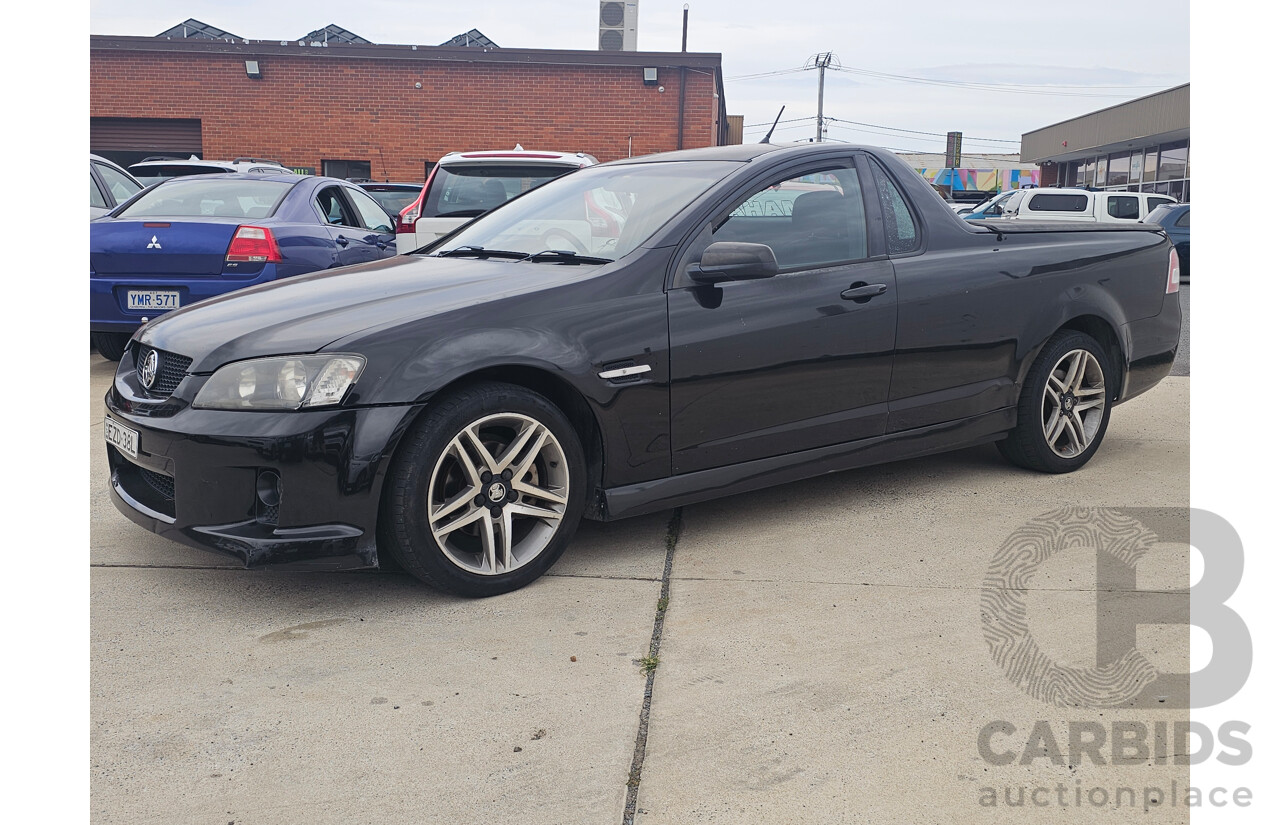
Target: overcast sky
x,y
992,71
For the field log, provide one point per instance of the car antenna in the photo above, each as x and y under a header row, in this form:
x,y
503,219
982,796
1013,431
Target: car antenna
x,y
769,134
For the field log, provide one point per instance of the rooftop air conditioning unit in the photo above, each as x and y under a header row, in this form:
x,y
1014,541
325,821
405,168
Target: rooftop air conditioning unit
x,y
618,25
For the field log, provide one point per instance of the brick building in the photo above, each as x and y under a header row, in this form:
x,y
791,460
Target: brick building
x,y
392,110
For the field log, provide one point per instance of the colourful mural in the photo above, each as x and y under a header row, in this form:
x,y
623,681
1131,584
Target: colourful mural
x,y
987,180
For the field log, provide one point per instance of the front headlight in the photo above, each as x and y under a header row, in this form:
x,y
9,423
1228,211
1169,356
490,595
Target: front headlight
x,y
288,383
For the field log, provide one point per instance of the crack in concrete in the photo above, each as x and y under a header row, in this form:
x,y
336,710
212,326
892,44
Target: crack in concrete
x,y
655,644
975,588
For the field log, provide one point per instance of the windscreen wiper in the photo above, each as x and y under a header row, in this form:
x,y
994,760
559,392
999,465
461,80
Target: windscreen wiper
x,y
481,252
564,256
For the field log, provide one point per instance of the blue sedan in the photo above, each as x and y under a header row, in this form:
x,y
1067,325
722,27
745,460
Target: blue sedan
x,y
192,238
1176,220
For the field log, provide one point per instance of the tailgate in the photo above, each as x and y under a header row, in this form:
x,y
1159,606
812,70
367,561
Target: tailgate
x,y
160,248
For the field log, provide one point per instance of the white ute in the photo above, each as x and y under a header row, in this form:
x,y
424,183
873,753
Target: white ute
x,y
1081,205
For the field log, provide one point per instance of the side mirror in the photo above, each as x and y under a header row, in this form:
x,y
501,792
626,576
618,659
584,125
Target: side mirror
x,y
733,261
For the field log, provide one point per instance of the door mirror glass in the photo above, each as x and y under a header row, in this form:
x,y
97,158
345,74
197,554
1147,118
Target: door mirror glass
x,y
734,261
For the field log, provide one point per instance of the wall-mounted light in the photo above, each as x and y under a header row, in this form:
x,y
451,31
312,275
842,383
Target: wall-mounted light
x,y
650,75
251,69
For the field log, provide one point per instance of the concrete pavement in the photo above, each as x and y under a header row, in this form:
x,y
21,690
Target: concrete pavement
x,y
822,660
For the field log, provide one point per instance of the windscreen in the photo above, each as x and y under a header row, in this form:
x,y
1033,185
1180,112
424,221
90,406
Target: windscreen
x,y
193,197
602,211
459,191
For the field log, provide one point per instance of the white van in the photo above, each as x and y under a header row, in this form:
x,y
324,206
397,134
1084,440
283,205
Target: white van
x,y
1081,205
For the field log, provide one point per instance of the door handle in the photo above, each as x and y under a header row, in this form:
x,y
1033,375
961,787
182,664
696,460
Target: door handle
x,y
861,292
342,240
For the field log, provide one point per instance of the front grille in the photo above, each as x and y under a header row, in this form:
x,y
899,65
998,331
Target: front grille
x,y
172,369
159,482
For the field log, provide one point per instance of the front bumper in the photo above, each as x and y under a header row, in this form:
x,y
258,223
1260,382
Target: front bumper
x,y
197,476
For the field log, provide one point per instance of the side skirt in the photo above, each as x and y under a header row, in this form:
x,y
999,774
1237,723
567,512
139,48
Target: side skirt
x,y
689,488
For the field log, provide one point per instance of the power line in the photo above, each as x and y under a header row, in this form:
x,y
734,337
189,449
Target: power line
x,y
917,132
764,74
1009,88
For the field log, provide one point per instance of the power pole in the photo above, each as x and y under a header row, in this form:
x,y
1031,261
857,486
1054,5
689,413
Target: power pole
x,y
821,62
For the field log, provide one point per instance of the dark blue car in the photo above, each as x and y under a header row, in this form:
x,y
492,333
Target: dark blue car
x,y
192,238
1176,220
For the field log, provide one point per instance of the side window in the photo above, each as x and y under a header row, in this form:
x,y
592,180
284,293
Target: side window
x,y
900,228
1125,207
1053,202
814,219
121,187
95,194
335,211
1185,220
371,215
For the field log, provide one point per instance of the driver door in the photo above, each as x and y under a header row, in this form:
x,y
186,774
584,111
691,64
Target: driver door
x,y
797,361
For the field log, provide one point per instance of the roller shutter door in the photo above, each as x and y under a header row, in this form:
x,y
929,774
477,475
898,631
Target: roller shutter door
x,y
137,134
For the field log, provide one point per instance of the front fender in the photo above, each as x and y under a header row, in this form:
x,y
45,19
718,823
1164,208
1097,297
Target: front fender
x,y
568,345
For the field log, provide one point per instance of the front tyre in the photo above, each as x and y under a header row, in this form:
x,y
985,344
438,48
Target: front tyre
x,y
1064,407
486,492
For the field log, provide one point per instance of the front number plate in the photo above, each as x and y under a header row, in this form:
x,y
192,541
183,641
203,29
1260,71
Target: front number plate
x,y
154,300
122,438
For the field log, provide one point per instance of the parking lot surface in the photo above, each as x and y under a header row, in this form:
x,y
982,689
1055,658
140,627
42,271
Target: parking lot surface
x,y
822,660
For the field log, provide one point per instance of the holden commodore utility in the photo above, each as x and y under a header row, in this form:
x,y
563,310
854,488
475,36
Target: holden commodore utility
x,y
763,314
190,238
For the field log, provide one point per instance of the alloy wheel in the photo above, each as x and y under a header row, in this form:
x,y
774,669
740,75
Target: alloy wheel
x,y
1074,403
498,493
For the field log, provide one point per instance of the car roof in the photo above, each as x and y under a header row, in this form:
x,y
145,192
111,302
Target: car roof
x,y
286,177
373,184
520,155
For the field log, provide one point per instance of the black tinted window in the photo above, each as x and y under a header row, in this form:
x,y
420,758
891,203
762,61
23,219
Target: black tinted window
x,y
151,174
1058,203
1185,220
810,220
899,227
1122,207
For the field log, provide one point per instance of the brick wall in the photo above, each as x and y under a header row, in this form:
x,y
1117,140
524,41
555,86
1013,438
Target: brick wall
x,y
311,107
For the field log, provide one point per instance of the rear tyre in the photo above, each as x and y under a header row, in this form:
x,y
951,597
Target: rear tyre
x,y
486,491
110,345
1064,407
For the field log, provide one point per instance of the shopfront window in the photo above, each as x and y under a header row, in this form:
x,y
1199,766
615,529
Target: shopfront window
x,y
1118,169
1173,161
1149,165
1135,168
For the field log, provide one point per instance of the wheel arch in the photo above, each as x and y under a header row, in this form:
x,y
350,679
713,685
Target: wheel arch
x,y
1101,330
1096,326
559,392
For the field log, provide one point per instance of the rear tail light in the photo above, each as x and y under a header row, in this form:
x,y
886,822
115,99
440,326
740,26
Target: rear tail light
x,y
410,214
253,244
1175,273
